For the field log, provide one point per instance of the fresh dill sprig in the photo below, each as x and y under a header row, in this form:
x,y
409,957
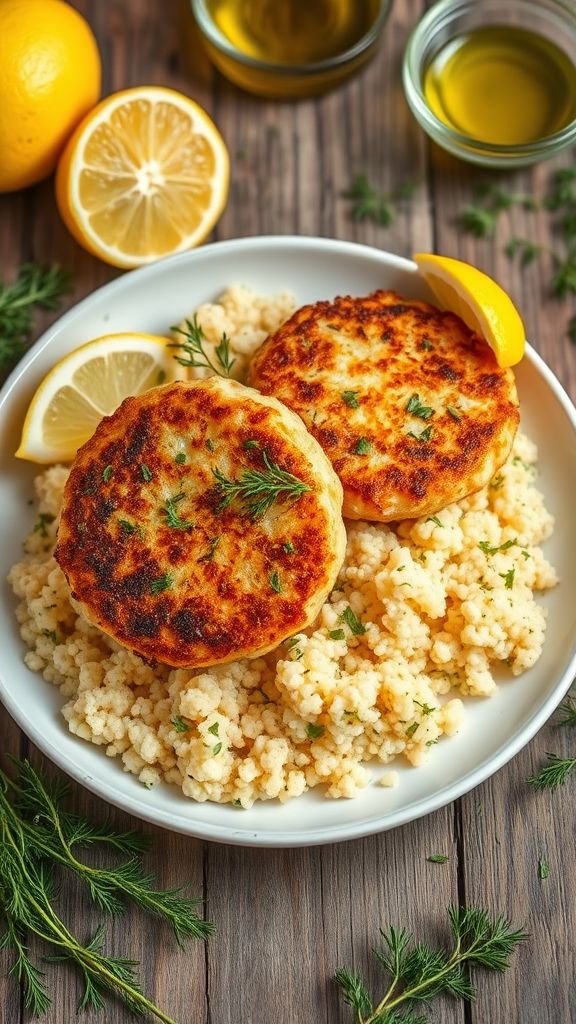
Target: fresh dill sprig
x,y
170,511
195,352
37,834
35,286
418,973
554,773
481,218
568,710
371,204
258,489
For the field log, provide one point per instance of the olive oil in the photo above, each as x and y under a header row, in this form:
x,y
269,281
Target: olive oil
x,y
502,85
294,32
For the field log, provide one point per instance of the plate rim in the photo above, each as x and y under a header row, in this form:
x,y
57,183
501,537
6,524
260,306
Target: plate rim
x,y
327,833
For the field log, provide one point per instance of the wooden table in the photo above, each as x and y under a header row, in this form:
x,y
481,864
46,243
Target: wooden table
x,y
287,919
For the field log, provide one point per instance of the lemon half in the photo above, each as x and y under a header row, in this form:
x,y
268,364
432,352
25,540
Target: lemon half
x,y
87,385
479,301
144,175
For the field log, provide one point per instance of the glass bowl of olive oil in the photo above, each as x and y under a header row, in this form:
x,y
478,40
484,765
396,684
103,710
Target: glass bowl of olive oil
x,y
289,49
494,81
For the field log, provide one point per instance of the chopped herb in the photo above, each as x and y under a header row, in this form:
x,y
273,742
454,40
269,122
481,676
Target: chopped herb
x,y
107,472
180,458
127,526
314,731
480,219
431,743
161,583
453,412
173,520
412,729
146,473
423,436
288,547
275,582
415,407
351,714
353,623
292,641
528,250
363,446
434,519
488,550
496,482
508,578
180,725
209,444
208,556
425,708
438,858
337,634
195,353
51,634
427,345
543,869
351,399
44,520
214,728
250,443
259,489
216,750
370,204
525,555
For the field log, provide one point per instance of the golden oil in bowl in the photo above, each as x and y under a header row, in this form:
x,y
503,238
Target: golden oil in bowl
x,y
290,48
503,85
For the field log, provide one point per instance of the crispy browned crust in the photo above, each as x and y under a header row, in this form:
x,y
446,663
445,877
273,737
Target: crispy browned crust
x,y
386,349
221,603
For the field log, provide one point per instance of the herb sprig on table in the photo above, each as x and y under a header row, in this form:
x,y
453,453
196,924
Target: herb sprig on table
x,y
34,287
368,203
557,769
39,835
418,973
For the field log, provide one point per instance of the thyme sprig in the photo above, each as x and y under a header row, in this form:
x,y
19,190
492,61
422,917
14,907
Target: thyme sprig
x,y
419,973
257,489
170,511
37,835
195,352
35,286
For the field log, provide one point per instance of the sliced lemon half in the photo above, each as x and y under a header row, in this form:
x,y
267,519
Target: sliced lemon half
x,y
144,175
87,385
480,302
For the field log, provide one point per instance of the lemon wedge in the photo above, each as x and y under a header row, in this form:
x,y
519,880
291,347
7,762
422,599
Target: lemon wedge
x,y
87,385
479,301
144,175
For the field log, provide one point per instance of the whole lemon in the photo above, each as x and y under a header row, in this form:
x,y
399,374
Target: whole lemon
x,y
49,78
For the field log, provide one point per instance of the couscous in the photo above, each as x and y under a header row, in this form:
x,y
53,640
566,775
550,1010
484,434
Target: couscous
x,y
421,613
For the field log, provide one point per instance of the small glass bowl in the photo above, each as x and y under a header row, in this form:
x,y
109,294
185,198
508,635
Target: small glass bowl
x,y
286,81
553,19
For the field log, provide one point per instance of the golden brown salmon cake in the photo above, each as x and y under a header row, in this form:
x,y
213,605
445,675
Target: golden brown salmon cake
x,y
201,523
408,404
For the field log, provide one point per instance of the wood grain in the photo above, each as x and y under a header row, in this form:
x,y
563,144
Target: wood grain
x,y
287,919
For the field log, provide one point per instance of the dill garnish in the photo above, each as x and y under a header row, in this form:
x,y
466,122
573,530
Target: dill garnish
x,y
107,473
543,869
508,578
434,519
453,412
423,436
250,443
171,512
554,773
420,973
35,286
314,731
351,399
164,582
179,724
146,473
257,490
415,407
195,353
275,582
44,520
36,835
216,749
214,728
437,858
363,446
337,634
488,550
370,204
180,458
353,622
209,555
288,547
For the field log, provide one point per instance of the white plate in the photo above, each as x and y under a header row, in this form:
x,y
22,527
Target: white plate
x,y
151,299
